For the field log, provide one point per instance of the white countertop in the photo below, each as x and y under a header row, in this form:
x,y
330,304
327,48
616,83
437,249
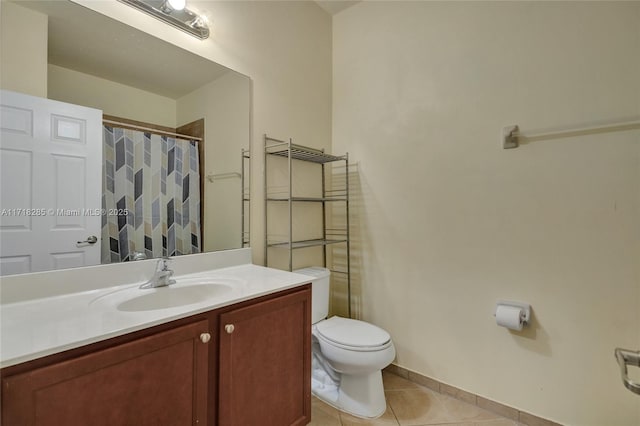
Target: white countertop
x,y
35,328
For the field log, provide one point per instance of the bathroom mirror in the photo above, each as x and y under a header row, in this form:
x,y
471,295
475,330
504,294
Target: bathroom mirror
x,y
149,85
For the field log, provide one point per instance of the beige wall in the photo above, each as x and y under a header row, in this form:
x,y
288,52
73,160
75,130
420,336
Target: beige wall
x,y
285,48
112,98
448,222
24,50
25,69
224,104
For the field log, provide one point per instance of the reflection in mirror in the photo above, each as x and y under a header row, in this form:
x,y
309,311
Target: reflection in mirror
x,y
175,125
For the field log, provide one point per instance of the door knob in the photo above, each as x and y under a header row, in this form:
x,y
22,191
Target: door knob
x,y
90,240
205,337
229,328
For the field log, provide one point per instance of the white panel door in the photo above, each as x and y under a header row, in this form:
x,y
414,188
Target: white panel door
x,y
50,184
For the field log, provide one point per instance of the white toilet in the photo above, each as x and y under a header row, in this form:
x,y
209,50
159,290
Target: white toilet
x,y
348,355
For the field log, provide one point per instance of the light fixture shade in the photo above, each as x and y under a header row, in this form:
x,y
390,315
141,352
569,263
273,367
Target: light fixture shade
x,y
177,4
166,11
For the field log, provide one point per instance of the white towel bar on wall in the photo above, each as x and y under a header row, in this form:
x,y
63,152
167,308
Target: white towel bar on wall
x,y
227,175
512,138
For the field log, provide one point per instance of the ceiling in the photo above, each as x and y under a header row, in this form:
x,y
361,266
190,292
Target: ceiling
x,y
334,6
86,41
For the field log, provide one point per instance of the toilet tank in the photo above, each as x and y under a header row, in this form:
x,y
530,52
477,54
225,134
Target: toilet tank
x,y
319,291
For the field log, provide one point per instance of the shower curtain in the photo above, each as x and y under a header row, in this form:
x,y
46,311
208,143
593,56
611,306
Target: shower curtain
x,y
150,196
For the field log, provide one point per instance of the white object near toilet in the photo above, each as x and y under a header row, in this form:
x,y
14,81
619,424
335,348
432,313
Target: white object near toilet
x,y
348,355
512,315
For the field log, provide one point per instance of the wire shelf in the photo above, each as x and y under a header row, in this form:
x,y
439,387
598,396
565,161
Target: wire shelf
x,y
299,152
306,243
330,236
309,199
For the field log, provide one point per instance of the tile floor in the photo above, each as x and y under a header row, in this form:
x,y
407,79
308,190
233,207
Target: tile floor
x,y
409,404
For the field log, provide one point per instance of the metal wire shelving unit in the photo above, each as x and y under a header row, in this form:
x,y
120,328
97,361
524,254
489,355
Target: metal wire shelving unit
x,y
245,177
293,152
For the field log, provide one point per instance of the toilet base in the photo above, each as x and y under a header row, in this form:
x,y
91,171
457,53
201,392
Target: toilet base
x,y
359,395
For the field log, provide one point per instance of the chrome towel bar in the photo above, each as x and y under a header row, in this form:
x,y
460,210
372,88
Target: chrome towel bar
x,y
626,357
512,137
227,175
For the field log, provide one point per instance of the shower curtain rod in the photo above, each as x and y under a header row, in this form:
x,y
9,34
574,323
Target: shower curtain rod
x,y
150,130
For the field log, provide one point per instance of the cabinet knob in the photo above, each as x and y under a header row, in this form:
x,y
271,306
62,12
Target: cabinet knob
x,y
205,337
229,328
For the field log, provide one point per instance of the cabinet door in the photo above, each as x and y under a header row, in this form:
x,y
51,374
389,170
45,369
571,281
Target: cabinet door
x,y
265,363
156,380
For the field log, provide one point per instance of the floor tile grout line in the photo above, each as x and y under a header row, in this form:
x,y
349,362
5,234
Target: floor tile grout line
x,y
340,417
538,420
392,412
451,417
449,420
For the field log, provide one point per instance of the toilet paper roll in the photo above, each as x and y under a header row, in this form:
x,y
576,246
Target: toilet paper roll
x,y
509,316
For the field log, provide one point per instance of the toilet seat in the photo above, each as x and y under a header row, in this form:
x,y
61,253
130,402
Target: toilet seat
x,y
352,334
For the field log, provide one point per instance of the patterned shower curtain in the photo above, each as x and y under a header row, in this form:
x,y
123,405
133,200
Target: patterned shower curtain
x,y
150,195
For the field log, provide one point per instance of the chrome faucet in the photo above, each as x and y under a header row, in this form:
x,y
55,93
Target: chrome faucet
x,y
162,275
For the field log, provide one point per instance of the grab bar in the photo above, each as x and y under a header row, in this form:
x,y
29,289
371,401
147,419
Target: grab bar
x,y
626,357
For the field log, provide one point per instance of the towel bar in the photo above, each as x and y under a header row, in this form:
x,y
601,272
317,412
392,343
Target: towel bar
x,y
626,357
511,136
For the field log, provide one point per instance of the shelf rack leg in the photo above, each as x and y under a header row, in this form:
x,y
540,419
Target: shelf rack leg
x,y
346,174
324,218
264,180
242,198
289,159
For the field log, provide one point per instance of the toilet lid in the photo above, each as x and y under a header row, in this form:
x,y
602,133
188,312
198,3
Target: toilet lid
x,y
354,333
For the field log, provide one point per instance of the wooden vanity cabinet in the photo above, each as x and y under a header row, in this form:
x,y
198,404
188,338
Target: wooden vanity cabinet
x,y
191,371
155,380
265,363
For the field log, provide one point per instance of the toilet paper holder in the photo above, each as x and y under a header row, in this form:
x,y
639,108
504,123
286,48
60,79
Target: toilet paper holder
x,y
526,309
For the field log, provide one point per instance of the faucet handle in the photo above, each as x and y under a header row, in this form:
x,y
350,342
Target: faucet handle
x,y
163,263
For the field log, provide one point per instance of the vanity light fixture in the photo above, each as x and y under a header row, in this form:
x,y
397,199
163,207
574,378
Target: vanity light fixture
x,y
176,4
174,13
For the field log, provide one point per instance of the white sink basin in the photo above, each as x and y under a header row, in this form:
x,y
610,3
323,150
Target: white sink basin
x,y
183,293
170,297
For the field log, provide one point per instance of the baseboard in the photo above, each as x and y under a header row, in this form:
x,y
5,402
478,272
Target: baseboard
x,y
470,398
